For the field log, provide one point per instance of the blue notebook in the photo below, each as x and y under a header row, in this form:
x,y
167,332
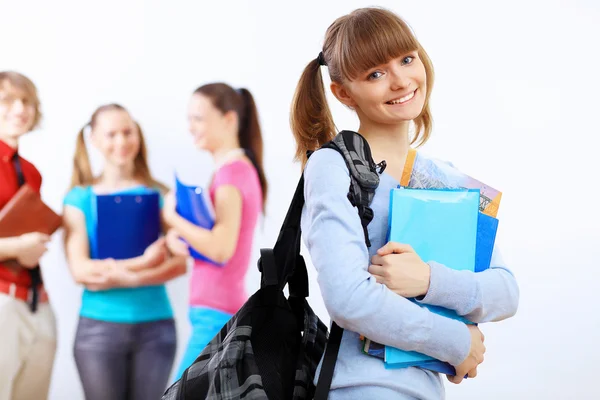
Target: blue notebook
x,y
194,204
487,227
486,234
126,224
441,225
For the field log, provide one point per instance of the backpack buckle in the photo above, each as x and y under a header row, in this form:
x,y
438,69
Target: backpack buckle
x,y
268,268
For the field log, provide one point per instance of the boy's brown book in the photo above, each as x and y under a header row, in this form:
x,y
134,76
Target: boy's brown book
x,y
26,212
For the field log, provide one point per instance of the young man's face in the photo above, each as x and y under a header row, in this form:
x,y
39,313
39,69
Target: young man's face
x,y
17,112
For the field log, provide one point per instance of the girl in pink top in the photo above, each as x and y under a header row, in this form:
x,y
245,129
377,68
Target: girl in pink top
x,y
223,121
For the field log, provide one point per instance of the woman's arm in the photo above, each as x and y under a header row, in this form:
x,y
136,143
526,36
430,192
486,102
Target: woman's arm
x,y
355,301
171,268
148,269
218,243
84,270
119,277
154,255
490,295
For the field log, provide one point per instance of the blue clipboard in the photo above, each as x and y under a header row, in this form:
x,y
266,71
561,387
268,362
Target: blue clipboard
x,y
194,204
126,224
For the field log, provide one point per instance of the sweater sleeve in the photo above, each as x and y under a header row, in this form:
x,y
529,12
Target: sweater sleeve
x,y
490,295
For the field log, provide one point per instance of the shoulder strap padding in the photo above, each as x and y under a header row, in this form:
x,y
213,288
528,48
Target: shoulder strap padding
x,y
364,178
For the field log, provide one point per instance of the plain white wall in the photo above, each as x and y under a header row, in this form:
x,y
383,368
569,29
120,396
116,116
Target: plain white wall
x,y
514,102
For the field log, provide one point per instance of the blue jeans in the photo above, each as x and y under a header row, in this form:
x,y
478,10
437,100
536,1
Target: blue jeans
x,y
206,323
124,361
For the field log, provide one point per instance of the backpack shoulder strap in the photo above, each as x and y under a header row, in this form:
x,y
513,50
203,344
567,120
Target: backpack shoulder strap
x,y
364,178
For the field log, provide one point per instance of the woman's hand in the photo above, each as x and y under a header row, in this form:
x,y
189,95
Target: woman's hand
x,y
398,267
156,253
111,275
169,211
469,365
175,245
98,277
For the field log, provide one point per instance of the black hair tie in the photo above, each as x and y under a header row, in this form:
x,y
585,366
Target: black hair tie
x,y
321,59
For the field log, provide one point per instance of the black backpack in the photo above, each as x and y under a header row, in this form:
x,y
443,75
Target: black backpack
x,y
271,347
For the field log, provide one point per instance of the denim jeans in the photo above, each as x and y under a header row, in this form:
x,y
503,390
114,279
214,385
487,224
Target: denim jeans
x,y
119,361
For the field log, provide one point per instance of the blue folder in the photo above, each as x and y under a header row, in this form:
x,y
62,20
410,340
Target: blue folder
x,y
441,225
126,224
194,204
487,227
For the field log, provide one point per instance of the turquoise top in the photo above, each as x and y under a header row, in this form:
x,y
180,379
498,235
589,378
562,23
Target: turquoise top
x,y
121,305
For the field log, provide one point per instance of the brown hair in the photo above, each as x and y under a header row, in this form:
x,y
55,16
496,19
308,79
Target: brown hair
x,y
354,43
225,98
82,170
25,84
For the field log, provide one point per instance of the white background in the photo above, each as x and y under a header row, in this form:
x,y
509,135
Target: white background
x,y
515,104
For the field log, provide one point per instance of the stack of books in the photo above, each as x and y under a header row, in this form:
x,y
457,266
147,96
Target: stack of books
x,y
455,227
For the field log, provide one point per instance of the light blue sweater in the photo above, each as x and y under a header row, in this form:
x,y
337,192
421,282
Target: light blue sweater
x,y
334,237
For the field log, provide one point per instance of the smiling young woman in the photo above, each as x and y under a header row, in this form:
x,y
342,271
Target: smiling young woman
x,y
379,69
126,327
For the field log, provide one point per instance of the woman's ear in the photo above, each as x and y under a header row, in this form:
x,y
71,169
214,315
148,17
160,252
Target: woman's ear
x,y
342,94
94,137
231,118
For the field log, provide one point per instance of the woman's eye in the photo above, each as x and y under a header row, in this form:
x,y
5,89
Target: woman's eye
x,y
407,60
375,75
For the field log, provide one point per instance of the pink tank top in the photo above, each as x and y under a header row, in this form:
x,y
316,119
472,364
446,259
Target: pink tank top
x,y
223,288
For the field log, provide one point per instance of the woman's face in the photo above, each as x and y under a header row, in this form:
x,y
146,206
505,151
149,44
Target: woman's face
x,y
117,137
207,124
390,93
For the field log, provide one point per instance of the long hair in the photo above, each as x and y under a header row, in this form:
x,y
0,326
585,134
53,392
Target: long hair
x,y
25,84
225,99
354,43
82,169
